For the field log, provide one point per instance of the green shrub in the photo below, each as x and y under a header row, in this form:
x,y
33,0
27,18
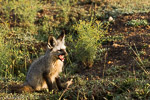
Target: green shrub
x,y
88,39
16,32
65,6
12,58
15,44
20,13
5,60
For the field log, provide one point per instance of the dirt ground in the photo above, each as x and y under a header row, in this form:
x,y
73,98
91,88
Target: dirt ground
x,y
119,52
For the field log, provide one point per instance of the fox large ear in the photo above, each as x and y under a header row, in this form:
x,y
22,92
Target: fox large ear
x,y
61,37
51,42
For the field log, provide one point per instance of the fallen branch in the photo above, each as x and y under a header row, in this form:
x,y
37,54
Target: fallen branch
x,y
68,84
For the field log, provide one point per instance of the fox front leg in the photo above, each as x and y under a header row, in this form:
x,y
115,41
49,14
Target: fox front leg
x,y
58,82
48,80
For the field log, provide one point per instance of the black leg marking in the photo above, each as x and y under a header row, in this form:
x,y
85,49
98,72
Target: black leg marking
x,y
60,87
48,80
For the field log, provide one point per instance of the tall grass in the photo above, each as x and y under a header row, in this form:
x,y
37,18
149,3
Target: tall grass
x,y
16,31
13,53
20,13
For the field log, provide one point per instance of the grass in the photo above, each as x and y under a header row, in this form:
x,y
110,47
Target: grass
x,y
24,31
137,22
119,88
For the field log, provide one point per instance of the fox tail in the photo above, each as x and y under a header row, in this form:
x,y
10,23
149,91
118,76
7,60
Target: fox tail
x,y
25,88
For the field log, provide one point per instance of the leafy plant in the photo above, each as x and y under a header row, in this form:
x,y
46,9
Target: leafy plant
x,y
89,36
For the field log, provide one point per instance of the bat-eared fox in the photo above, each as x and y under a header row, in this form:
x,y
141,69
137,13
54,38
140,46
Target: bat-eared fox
x,y
44,71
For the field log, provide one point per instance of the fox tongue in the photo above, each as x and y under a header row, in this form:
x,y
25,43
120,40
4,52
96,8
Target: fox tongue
x,y
61,57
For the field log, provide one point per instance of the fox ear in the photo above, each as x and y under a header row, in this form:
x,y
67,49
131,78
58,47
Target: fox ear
x,y
61,37
51,42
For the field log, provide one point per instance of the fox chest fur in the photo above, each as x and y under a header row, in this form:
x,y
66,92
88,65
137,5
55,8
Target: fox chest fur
x,y
55,69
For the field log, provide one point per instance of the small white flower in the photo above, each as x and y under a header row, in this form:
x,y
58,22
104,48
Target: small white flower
x,y
110,19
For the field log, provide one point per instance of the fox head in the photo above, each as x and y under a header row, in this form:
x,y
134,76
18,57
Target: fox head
x,y
57,47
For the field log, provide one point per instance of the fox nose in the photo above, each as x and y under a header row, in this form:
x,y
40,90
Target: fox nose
x,y
64,52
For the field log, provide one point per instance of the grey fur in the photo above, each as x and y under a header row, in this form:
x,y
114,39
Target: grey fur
x,y
46,63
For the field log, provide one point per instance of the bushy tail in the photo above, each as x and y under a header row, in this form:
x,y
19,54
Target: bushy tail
x,y
25,88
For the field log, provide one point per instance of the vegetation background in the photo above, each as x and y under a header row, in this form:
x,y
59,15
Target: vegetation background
x,y
108,42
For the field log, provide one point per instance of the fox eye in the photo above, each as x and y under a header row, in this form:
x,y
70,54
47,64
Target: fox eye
x,y
60,50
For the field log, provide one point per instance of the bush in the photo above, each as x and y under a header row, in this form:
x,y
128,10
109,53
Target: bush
x,y
88,40
21,13
16,32
13,57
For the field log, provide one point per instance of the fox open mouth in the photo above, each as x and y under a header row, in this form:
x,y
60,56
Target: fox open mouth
x,y
61,57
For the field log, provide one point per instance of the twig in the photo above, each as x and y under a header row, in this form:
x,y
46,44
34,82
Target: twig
x,y
105,62
68,84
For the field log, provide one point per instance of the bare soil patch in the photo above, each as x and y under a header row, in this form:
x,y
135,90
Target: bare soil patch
x,y
120,52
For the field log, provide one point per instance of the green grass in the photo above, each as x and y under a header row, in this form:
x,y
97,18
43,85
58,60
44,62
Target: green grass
x,y
104,88
119,7
25,27
137,22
